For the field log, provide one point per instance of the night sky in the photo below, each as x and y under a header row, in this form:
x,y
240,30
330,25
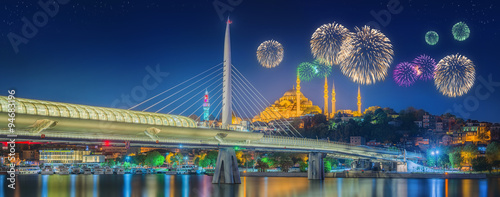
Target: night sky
x,y
93,52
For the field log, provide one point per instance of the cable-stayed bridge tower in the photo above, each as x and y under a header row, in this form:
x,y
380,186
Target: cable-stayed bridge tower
x,y
226,82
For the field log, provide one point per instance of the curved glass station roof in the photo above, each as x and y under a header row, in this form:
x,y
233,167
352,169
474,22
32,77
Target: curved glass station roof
x,y
56,109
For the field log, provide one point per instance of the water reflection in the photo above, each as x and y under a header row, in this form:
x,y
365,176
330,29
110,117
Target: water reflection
x,y
127,190
192,185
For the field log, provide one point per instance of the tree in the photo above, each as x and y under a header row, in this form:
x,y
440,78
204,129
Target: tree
x,y
169,157
177,158
239,158
110,163
469,152
303,166
481,164
154,159
204,163
455,157
139,159
209,159
328,166
126,165
285,163
330,162
262,165
348,162
493,152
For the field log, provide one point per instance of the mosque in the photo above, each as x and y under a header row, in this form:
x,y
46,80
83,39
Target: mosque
x,y
288,107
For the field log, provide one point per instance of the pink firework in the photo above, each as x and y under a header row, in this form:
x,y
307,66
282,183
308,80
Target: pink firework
x,y
405,74
424,65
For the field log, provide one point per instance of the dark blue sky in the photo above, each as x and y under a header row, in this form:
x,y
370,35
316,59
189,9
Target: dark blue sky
x,y
91,53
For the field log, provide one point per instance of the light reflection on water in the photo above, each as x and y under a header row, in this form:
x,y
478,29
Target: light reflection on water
x,y
192,185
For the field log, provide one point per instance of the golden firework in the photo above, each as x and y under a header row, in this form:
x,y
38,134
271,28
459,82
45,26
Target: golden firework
x,y
367,54
454,75
326,42
270,53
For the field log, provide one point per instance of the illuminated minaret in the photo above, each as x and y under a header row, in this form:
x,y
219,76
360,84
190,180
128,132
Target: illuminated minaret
x,y
359,101
226,83
206,107
333,100
298,96
326,97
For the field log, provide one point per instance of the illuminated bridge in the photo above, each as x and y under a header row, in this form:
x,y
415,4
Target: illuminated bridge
x,y
45,121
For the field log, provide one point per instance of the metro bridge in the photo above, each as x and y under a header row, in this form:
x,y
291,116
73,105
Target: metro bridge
x,y
46,121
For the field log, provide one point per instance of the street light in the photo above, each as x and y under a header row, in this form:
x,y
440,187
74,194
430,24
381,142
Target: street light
x,y
435,154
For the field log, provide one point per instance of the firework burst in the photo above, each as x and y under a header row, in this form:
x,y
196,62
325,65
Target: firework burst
x,y
424,65
321,68
454,75
306,71
431,38
270,53
405,74
460,31
367,55
326,42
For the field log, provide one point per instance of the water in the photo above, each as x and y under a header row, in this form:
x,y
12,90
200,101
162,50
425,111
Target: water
x,y
200,185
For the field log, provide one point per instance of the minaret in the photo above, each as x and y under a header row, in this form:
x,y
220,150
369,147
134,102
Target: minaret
x,y
206,107
359,101
298,96
326,97
333,100
226,83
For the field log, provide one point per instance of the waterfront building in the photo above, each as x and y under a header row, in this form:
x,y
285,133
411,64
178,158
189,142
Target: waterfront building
x,y
62,156
358,140
30,155
93,158
477,132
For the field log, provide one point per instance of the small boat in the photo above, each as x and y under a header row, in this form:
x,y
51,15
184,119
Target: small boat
x,y
108,170
63,170
27,170
120,171
47,170
98,170
87,170
75,170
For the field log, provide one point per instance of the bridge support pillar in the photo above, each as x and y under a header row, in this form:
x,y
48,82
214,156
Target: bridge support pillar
x,y
226,169
316,167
